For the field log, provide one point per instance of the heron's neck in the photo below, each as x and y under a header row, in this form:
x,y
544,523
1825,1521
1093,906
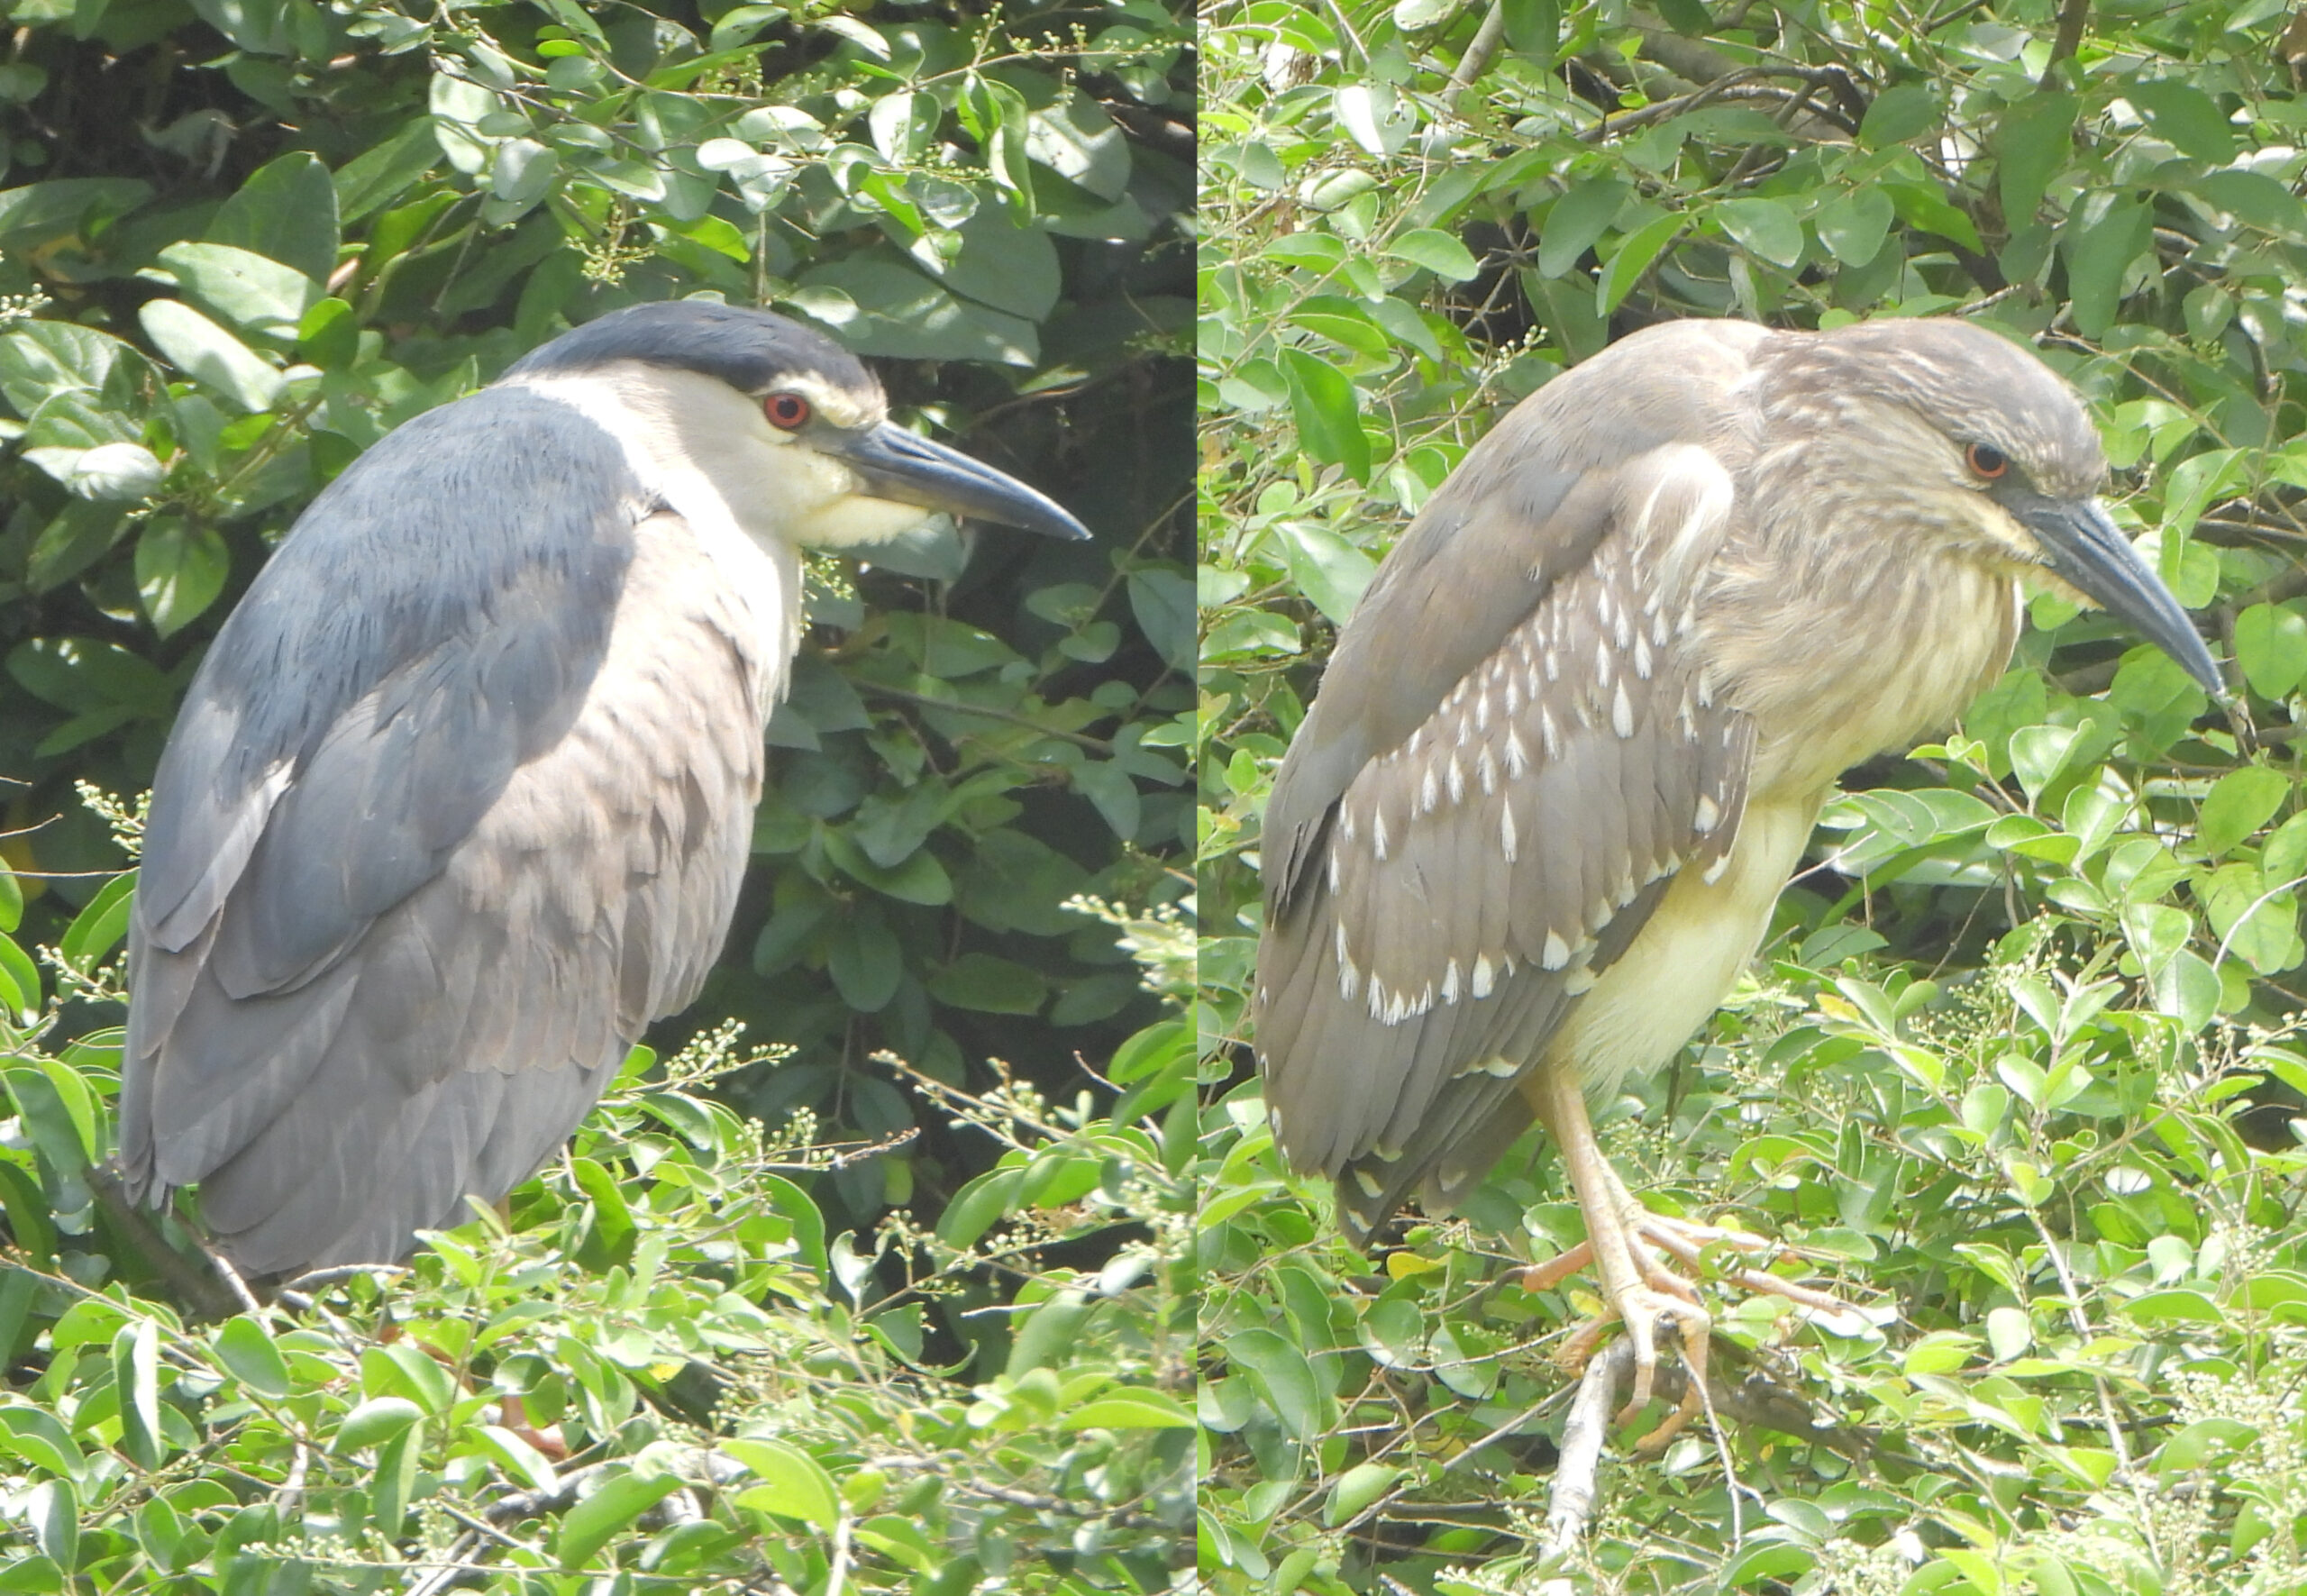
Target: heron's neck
x,y
1855,644
759,571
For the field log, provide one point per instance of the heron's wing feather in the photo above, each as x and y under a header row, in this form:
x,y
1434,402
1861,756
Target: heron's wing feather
x,y
465,1030
1526,506
329,753
484,543
1474,876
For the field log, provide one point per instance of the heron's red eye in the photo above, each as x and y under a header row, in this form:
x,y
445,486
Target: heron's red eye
x,y
1984,461
786,412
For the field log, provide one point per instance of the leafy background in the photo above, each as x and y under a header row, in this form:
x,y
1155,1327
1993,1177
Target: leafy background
x,y
242,239
2016,1071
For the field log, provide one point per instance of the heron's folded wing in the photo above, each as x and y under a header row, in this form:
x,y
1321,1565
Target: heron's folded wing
x,y
1474,876
462,1034
417,638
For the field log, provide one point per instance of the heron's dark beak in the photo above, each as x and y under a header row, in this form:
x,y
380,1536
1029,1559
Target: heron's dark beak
x,y
909,469
2084,546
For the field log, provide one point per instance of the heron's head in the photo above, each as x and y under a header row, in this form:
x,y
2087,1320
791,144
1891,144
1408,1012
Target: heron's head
x,y
1947,432
781,424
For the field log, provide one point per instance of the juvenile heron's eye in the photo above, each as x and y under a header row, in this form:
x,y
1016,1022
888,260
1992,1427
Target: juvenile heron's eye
x,y
1983,458
786,412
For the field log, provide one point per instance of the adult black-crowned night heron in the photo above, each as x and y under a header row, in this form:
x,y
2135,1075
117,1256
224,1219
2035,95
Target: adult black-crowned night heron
x,y
460,799
1575,737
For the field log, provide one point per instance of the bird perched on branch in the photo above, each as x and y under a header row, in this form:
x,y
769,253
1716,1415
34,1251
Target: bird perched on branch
x,y
461,798
1575,737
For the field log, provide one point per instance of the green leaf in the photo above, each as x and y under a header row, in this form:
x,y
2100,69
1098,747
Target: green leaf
x,y
1633,257
2032,142
1534,30
1854,225
41,360
2098,256
2271,646
1011,269
793,1484
1323,566
180,569
328,334
1114,792
1329,421
52,1509
374,1422
1129,1410
2038,755
43,213
382,174
518,1459
979,1205
244,1347
1410,15
286,212
1899,115
2256,923
136,1375
395,1482
864,961
99,928
1928,209
1437,253
619,1499
254,294
2178,111
211,356
1374,116
1284,1378
1356,1489
988,985
2238,805
1163,603
1577,220
1764,227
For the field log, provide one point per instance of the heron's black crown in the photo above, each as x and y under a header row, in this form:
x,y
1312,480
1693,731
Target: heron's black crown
x,y
751,350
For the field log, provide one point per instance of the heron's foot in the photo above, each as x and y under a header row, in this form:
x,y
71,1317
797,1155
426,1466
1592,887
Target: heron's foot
x,y
1688,1240
1644,1312
1645,1293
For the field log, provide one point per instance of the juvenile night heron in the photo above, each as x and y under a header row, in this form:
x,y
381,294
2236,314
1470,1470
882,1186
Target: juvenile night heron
x,y
1575,737
460,799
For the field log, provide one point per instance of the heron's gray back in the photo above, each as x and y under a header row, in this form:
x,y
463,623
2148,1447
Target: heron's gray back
x,y
368,979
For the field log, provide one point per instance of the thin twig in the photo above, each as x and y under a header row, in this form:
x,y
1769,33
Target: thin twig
x,y
1570,1503
1483,49
200,1288
2072,15
233,1282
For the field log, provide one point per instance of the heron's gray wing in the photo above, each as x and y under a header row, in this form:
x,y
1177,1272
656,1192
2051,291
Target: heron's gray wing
x,y
1470,873
461,1036
360,736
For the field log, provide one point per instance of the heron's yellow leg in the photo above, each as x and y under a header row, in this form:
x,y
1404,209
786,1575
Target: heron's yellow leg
x,y
1641,1291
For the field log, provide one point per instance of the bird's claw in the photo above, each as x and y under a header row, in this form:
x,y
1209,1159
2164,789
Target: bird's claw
x,y
1663,1297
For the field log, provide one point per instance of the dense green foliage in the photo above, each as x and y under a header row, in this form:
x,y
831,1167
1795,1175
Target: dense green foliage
x,y
920,1331
2014,1072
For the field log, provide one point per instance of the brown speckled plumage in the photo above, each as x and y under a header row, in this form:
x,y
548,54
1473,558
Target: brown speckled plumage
x,y
1594,700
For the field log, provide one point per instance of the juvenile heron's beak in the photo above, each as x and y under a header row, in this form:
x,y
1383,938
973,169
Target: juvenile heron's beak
x,y
2084,546
894,464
